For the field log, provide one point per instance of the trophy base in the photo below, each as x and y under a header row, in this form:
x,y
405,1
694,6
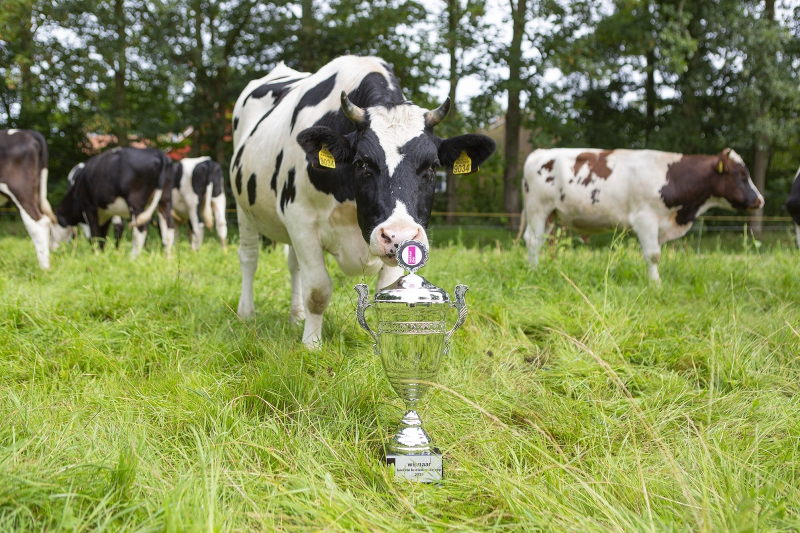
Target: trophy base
x,y
425,468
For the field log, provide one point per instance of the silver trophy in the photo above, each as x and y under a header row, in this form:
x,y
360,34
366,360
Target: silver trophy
x,y
411,338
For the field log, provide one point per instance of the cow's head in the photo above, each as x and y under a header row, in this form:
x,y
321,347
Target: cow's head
x,y
732,182
68,213
393,155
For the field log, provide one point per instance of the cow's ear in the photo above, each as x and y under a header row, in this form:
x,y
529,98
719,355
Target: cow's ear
x,y
723,164
467,152
319,143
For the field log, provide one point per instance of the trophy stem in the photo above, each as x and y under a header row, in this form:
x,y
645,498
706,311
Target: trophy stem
x,y
411,438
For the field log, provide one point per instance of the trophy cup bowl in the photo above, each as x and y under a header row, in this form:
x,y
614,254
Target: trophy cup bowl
x,y
410,339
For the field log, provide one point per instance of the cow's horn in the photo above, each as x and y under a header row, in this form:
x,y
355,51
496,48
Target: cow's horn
x,y
432,118
351,110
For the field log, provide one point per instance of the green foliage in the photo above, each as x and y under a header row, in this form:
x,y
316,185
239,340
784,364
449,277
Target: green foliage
x,y
134,399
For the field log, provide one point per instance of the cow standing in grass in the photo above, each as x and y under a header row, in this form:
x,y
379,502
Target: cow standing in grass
x,y
198,193
289,129
23,182
793,205
124,182
656,194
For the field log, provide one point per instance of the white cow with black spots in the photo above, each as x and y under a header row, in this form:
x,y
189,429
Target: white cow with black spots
x,y
287,126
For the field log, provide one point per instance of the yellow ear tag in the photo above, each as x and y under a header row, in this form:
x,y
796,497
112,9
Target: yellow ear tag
x,y
720,167
326,158
462,165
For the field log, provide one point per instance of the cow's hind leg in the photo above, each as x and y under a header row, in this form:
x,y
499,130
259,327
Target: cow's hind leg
x,y
647,232
167,229
119,229
297,311
535,235
248,262
797,234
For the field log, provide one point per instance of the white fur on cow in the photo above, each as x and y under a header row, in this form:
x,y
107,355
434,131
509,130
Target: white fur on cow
x,y
198,192
23,182
379,194
656,194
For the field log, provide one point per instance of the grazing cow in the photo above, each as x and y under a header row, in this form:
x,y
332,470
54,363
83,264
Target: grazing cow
x,y
198,192
793,205
23,181
126,182
338,162
656,194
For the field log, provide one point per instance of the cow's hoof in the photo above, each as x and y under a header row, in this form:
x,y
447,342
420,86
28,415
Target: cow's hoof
x,y
296,317
246,311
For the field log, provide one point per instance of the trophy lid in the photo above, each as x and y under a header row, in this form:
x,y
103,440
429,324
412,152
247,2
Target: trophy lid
x,y
412,288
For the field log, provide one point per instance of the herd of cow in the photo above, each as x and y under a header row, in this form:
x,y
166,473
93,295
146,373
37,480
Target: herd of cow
x,y
339,161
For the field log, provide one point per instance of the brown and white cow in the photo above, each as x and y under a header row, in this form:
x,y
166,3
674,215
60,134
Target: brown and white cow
x,y
656,194
23,181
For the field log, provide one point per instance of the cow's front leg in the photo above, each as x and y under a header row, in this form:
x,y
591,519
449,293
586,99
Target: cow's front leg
x,y
647,232
196,225
96,235
248,262
316,289
297,310
388,275
119,229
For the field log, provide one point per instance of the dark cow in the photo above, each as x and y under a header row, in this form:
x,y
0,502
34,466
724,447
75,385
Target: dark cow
x,y
125,182
656,194
23,181
793,205
358,181
198,193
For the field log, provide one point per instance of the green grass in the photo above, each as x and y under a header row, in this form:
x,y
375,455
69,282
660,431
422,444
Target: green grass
x,y
576,397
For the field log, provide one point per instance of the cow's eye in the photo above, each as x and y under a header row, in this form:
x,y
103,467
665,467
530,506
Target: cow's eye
x,y
360,164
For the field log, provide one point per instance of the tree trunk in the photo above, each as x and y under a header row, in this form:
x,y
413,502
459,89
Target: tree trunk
x,y
120,124
452,27
511,183
650,96
305,38
763,146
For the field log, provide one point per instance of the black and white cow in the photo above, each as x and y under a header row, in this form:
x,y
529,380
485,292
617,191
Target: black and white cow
x,y
124,182
23,181
198,193
656,194
793,205
379,194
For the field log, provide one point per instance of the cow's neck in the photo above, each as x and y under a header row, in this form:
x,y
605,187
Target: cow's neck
x,y
689,188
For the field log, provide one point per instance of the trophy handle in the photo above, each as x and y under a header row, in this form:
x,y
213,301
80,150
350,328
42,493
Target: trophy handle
x,y
363,305
461,305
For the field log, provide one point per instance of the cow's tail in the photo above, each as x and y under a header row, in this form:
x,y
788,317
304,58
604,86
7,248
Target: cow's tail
x,y
208,214
44,204
523,221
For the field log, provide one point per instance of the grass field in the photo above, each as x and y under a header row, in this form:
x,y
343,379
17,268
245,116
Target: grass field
x,y
576,397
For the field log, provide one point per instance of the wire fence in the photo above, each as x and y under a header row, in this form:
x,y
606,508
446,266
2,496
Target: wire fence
x,y
736,222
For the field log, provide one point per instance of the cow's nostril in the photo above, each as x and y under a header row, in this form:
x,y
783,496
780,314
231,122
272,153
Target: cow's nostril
x,y
397,246
386,238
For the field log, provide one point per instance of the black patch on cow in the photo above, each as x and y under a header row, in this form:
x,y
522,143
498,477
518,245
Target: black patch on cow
x,y
313,97
238,158
525,185
177,175
793,201
561,191
239,181
595,196
278,90
289,190
273,183
235,123
251,188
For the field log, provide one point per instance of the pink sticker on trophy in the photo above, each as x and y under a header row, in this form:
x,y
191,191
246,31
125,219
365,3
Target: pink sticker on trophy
x,y
412,255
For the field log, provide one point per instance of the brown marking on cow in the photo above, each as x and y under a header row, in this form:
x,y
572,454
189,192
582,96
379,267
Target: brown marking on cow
x,y
597,163
549,165
693,179
550,179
